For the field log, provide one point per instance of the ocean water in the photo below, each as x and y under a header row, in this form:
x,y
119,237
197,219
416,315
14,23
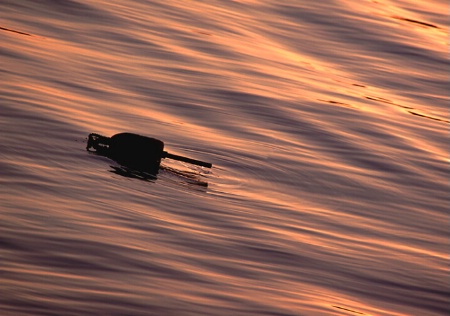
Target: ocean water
x,y
326,123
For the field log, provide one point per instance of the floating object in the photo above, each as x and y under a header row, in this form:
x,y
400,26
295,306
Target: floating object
x,y
135,151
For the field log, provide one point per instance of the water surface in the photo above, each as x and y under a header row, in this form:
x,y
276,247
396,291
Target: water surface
x,y
326,124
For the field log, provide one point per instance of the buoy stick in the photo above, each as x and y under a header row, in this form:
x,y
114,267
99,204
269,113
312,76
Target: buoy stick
x,y
165,154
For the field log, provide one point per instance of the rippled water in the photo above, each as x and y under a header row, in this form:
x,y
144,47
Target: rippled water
x,y
326,123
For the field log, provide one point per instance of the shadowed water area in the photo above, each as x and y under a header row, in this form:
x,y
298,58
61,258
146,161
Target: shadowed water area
x,y
326,124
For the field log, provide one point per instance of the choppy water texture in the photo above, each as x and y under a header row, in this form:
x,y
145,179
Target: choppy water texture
x,y
327,125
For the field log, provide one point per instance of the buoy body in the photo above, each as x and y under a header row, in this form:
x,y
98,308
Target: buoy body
x,y
136,151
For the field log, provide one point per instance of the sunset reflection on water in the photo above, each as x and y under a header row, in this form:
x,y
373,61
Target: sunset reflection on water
x,y
326,124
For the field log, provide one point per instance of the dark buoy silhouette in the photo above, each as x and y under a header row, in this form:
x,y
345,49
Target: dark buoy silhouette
x,y
135,151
